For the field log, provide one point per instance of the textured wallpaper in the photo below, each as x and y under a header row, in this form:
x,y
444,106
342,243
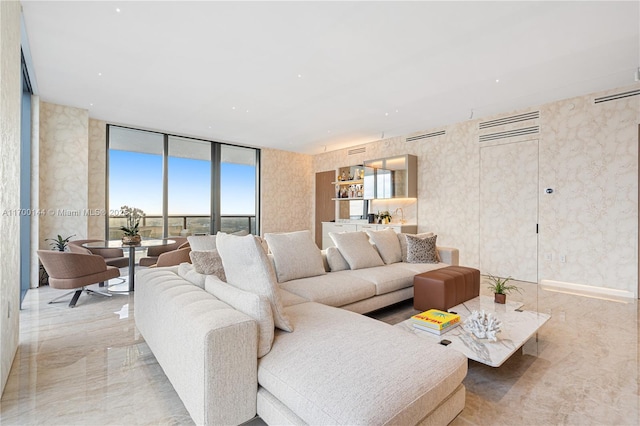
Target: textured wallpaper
x,y
97,177
64,164
587,152
287,180
9,184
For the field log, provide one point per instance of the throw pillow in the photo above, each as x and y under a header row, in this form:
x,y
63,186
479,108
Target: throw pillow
x,y
295,255
202,242
356,249
386,241
336,260
208,262
402,238
187,271
421,250
257,307
248,268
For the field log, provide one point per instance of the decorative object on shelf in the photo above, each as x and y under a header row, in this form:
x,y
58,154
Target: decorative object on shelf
x,y
345,175
131,231
362,174
59,243
500,288
384,217
483,325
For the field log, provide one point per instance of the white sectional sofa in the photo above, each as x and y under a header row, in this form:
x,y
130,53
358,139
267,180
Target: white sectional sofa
x,y
336,367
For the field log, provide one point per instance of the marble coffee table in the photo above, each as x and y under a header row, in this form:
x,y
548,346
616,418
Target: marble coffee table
x,y
518,326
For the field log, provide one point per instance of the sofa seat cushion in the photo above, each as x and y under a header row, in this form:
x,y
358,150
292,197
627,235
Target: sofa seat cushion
x,y
290,299
333,289
419,268
386,278
339,367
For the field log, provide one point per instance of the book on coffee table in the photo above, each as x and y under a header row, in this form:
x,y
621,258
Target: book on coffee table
x,y
435,319
433,330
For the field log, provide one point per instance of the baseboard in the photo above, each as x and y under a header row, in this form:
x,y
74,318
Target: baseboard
x,y
588,291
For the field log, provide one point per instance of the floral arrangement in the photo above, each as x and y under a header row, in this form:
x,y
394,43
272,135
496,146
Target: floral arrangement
x,y
133,216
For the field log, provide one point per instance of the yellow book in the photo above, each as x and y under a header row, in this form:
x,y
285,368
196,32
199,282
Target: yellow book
x,y
435,319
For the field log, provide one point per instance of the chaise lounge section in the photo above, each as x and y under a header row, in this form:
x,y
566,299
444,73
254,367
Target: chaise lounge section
x,y
335,367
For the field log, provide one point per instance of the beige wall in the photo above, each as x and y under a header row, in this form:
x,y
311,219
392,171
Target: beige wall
x,y
64,166
10,92
588,154
97,177
286,180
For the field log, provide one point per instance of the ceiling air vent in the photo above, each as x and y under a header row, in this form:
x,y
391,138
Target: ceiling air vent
x,y
360,150
509,134
510,120
426,136
616,96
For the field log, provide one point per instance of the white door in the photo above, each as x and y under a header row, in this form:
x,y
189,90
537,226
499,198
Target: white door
x,y
509,210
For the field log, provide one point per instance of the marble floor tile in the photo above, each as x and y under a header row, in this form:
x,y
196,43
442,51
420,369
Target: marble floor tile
x,y
89,366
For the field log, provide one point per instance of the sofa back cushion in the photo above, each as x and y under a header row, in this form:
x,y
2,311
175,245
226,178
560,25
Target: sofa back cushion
x,y
388,245
335,260
202,242
257,307
356,249
295,255
248,268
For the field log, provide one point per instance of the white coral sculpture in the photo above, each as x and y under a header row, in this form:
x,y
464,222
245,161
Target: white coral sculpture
x,y
484,325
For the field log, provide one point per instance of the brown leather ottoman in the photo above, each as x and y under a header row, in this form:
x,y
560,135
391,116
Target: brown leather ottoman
x,y
445,288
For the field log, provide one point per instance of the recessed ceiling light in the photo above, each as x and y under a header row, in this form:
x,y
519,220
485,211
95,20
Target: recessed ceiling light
x,y
90,104
386,114
118,9
233,107
99,74
247,110
497,80
299,75
397,111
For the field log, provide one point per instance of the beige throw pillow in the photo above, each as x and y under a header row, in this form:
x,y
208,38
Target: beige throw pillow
x,y
257,307
208,262
202,242
295,255
356,249
388,245
248,268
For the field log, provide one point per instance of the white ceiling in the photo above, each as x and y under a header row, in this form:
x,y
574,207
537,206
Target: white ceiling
x,y
310,76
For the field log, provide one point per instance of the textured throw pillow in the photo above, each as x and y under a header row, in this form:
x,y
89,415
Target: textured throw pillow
x,y
356,249
248,268
202,242
295,255
336,260
208,262
388,245
402,238
257,307
421,250
188,272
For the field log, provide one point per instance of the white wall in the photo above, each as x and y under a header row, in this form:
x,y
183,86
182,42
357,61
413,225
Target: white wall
x,y
10,93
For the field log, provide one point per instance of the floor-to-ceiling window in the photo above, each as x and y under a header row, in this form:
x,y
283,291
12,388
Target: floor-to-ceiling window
x,y
185,186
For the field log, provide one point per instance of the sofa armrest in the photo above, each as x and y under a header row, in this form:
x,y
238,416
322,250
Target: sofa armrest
x,y
449,255
206,349
174,257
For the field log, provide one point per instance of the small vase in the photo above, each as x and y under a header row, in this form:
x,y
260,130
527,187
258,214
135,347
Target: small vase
x,y
500,298
131,239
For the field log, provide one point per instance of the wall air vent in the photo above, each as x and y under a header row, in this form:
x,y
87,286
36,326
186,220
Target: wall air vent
x,y
360,150
510,120
616,96
425,136
510,134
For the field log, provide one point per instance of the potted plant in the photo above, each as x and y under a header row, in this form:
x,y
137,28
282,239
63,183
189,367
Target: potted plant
x,y
131,231
59,243
384,217
501,288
